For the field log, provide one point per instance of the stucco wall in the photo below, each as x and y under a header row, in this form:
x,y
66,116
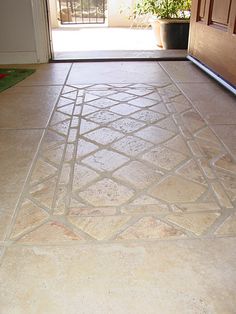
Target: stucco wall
x,y
17,37
115,18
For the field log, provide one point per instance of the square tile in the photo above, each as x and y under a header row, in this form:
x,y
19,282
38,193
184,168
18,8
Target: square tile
x,y
137,174
103,136
105,160
131,146
154,134
117,72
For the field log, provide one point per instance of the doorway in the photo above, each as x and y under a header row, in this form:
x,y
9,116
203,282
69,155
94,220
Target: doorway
x,y
102,29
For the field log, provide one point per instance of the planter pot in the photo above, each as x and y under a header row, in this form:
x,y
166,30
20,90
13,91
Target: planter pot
x,y
174,33
156,27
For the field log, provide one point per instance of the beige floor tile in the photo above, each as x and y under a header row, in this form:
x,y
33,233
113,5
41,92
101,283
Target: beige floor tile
x,y
197,223
227,133
47,74
184,71
175,189
17,149
53,232
126,176
105,160
150,228
137,174
164,158
117,72
214,103
100,228
228,228
184,277
106,192
27,107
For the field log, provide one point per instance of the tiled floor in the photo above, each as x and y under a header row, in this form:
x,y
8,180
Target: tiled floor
x,y
118,191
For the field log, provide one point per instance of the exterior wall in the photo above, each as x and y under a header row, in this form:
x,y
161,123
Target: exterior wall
x,y
53,13
117,19
17,36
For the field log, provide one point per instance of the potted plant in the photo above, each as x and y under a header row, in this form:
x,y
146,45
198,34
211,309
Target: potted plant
x,y
170,21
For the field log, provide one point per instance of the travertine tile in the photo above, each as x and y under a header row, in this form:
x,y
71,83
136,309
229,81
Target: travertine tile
x,y
105,160
185,71
131,145
125,175
175,189
103,117
150,228
17,149
143,102
208,99
30,114
47,74
82,176
99,228
154,134
103,136
227,163
121,96
124,109
94,163
28,217
191,171
127,279
228,228
164,158
102,102
196,207
117,72
147,116
137,174
227,134
198,223
84,148
106,193
127,125
42,171
221,195
53,232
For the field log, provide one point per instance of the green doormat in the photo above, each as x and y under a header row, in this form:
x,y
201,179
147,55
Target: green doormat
x,y
10,77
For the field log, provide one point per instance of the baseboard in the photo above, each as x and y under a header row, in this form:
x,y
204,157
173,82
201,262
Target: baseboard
x,y
22,57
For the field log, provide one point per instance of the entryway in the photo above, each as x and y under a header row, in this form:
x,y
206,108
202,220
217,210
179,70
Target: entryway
x,y
102,29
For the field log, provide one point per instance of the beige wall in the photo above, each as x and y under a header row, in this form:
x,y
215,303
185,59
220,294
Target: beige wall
x,y
117,19
53,13
17,36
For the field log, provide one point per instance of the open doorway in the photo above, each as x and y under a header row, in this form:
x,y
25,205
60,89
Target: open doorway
x,y
102,29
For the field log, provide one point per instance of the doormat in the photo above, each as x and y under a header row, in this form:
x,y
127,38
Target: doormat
x,y
10,77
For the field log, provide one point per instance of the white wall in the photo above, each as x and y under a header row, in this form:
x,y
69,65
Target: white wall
x,y
17,32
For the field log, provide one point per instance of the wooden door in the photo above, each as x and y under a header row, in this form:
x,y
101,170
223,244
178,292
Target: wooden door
x,y
213,36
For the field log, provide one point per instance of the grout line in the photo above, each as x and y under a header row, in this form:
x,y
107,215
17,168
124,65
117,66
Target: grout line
x,y
30,171
74,154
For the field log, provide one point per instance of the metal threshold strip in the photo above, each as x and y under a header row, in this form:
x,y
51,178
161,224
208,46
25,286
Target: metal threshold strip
x,y
214,75
121,55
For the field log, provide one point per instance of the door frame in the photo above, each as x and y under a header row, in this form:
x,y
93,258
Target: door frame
x,y
41,30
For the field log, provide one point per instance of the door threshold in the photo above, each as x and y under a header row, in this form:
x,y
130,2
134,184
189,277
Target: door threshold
x,y
120,55
213,74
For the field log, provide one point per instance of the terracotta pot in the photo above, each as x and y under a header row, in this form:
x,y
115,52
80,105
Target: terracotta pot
x,y
157,31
